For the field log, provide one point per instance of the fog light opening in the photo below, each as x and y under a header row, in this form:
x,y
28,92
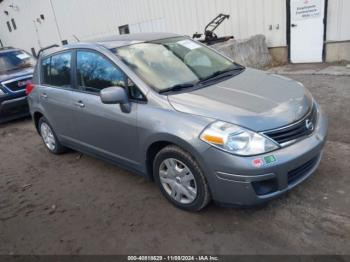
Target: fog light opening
x,y
265,187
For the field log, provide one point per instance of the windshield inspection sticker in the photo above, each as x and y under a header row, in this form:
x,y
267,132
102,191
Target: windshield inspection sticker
x,y
189,44
23,56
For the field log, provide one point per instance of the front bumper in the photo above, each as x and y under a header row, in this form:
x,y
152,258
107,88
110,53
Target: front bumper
x,y
13,107
235,180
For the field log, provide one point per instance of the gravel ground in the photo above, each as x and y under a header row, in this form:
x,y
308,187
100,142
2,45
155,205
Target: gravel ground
x,y
75,204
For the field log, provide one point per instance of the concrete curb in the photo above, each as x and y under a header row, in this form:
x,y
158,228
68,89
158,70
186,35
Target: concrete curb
x,y
329,70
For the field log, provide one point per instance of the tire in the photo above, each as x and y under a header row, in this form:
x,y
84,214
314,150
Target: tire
x,y
55,147
185,188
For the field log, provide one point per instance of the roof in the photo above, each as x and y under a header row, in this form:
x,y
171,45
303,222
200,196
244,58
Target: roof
x,y
115,41
143,37
128,39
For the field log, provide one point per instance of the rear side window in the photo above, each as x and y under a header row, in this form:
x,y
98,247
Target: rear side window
x,y
45,65
57,70
94,72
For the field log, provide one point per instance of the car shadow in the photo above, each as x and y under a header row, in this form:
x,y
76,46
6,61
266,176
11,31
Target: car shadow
x,y
15,121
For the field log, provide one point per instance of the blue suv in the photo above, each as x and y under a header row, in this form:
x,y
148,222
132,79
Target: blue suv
x,y
16,70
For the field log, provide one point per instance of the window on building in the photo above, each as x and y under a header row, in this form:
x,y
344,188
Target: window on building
x,y
57,70
14,24
124,29
9,26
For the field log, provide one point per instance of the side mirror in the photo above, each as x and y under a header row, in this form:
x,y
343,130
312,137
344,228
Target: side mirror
x,y
116,95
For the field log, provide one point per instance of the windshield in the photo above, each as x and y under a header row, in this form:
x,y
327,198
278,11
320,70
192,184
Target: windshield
x,y
174,61
14,60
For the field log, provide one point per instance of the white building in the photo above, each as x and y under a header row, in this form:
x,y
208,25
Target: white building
x,y
302,30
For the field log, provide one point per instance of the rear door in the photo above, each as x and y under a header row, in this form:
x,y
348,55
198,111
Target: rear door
x,y
103,129
55,93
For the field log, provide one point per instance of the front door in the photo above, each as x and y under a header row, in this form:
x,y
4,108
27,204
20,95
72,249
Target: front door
x,y
306,30
103,129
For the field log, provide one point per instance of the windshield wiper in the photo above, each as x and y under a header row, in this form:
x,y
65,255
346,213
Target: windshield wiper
x,y
177,87
221,72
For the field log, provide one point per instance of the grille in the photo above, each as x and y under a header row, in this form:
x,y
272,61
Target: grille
x,y
17,85
303,127
300,171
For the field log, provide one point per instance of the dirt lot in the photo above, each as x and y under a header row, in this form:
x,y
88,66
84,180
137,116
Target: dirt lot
x,y
74,204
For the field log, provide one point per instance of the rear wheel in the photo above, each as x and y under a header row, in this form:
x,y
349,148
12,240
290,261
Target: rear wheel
x,y
49,138
180,179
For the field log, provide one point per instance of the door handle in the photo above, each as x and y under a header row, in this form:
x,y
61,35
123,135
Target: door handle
x,y
294,25
43,95
80,104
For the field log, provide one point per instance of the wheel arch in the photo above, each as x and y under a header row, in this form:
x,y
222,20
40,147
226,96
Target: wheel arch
x,y
155,145
36,117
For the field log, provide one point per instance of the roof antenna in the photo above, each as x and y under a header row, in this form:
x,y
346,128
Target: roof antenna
x,y
76,38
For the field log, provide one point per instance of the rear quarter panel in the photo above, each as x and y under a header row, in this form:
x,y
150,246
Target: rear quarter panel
x,y
33,97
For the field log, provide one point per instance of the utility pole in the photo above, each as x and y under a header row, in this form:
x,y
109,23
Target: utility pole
x,y
37,33
55,18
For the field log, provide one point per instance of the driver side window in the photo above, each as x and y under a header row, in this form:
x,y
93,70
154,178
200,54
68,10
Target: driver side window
x,y
95,72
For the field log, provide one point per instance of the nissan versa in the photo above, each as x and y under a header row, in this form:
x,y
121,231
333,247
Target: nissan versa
x,y
178,112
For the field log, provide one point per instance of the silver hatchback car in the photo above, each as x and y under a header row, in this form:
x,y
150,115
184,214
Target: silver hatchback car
x,y
173,110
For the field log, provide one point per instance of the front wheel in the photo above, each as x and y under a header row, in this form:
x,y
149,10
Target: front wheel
x,y
180,179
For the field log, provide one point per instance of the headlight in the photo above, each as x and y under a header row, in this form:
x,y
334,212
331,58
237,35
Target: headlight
x,y
236,139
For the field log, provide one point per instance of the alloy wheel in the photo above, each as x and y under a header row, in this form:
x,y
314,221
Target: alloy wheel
x,y
47,135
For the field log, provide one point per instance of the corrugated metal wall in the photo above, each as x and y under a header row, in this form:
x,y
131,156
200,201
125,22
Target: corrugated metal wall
x,y
338,24
29,32
98,17
92,18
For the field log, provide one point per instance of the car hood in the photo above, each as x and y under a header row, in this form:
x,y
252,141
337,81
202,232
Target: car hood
x,y
4,76
253,99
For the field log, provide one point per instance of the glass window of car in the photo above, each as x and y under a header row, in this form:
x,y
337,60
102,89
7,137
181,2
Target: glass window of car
x,y
95,72
57,70
173,61
45,65
15,60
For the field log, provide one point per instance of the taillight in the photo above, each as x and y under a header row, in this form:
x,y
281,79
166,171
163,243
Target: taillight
x,y
29,88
